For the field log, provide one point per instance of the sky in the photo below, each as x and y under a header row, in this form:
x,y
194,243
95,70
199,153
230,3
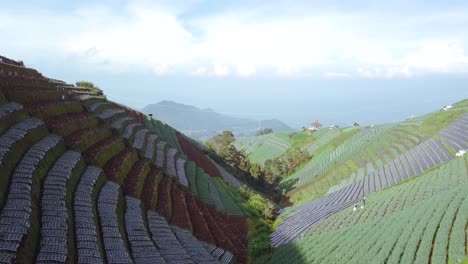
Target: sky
x,y
336,61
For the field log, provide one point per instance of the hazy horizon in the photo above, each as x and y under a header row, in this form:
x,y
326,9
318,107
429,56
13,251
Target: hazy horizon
x,y
333,102
365,61
295,102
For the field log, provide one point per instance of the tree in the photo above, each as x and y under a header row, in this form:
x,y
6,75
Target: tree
x,y
264,131
86,84
244,163
255,170
219,141
284,165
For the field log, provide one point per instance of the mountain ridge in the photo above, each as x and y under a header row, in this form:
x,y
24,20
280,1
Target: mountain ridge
x,y
203,123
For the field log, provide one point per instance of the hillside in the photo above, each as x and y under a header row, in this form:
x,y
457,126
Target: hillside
x,y
408,178
417,156
422,220
270,146
87,180
370,149
202,124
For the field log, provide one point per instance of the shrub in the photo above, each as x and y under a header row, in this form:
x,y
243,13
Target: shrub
x,y
86,84
258,203
259,243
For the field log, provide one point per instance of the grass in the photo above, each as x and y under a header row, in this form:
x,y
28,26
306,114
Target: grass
x,y
438,121
431,123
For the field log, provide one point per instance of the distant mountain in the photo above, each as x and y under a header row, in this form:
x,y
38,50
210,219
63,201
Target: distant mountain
x,y
202,124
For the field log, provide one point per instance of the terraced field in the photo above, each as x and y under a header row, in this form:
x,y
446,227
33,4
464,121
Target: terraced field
x,y
86,180
423,221
384,152
265,147
425,156
342,153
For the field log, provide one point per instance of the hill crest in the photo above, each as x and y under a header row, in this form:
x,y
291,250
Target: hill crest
x,y
203,123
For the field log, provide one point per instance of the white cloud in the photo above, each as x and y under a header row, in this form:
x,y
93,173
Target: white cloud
x,y
144,35
220,70
438,56
201,71
217,70
161,69
392,72
287,70
336,75
246,70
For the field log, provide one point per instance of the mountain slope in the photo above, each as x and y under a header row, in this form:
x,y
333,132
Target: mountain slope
x,y
85,179
202,124
371,161
88,180
419,221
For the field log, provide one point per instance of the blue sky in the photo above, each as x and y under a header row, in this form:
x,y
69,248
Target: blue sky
x,y
294,60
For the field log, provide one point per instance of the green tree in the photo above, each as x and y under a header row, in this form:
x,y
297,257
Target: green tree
x,y
86,84
255,170
264,131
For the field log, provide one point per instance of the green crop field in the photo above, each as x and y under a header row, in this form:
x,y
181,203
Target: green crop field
x,y
87,180
423,221
265,147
